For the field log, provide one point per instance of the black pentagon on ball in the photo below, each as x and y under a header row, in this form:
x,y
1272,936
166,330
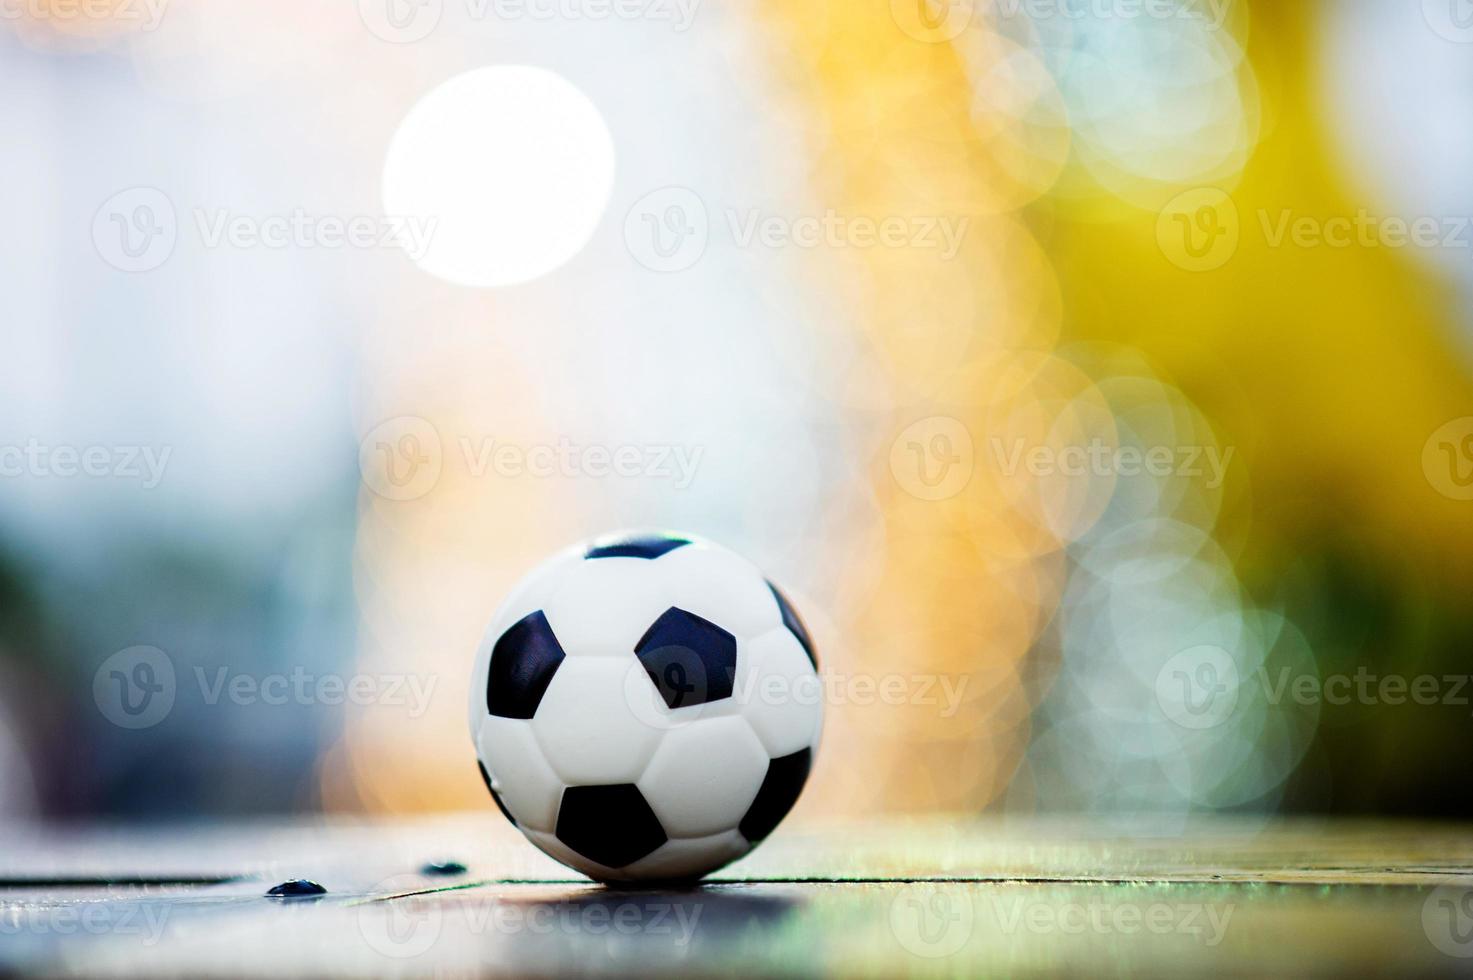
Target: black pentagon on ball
x,y
486,778
611,825
780,788
648,546
690,660
522,664
794,624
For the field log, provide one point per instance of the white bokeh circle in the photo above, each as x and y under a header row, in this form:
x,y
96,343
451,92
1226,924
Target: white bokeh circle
x,y
512,165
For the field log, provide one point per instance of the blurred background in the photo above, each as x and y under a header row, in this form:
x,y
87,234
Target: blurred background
x,y
1097,375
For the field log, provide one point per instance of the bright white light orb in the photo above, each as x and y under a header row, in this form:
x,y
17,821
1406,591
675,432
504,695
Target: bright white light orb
x,y
512,164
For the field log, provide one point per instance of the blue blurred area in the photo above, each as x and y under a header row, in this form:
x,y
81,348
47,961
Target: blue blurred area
x,y
215,397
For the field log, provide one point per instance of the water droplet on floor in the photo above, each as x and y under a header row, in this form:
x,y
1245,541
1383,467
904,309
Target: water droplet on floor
x,y
297,888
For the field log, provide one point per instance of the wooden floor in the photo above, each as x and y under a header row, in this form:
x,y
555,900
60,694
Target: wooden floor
x,y
927,898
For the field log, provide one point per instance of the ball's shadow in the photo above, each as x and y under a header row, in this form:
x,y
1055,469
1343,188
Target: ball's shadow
x,y
685,914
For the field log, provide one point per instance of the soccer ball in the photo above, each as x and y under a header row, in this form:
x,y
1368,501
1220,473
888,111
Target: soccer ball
x,y
645,706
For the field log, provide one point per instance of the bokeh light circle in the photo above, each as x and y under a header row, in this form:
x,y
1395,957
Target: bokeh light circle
x,y
513,165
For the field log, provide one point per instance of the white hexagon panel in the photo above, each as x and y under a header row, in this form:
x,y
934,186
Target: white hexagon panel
x,y
645,706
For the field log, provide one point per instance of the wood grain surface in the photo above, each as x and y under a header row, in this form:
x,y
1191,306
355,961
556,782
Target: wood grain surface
x,y
1224,897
